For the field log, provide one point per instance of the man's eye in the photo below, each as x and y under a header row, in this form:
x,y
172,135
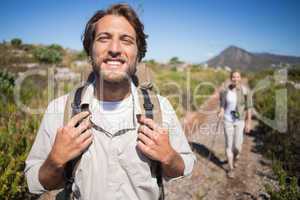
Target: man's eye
x,y
127,41
103,39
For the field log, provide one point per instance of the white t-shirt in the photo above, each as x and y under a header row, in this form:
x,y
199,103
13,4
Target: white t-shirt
x,y
231,102
112,113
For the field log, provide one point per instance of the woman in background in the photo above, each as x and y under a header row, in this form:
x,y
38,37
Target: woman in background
x,y
235,109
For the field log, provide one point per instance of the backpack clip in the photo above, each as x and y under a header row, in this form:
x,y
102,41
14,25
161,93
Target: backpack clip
x,y
148,106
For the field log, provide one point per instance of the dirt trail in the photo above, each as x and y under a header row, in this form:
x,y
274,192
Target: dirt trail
x,y
209,180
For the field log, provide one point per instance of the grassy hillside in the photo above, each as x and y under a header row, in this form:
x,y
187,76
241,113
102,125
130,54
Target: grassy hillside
x,y
283,148
18,128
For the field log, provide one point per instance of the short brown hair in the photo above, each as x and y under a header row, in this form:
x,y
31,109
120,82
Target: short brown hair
x,y
123,10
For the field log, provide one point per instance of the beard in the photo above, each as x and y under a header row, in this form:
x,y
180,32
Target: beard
x,y
113,76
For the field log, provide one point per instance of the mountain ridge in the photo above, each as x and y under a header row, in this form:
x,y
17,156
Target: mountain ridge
x,y
237,58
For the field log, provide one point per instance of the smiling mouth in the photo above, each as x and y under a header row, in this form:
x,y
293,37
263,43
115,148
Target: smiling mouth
x,y
114,62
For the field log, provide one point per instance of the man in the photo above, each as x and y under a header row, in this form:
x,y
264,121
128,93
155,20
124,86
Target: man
x,y
236,104
118,154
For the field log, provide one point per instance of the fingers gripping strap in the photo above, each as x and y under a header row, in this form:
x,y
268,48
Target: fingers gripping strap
x,y
73,103
72,107
150,104
152,110
68,108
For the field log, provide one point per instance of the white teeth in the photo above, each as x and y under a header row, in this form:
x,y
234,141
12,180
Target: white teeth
x,y
114,62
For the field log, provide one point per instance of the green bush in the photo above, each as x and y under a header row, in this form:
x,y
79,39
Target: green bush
x,y
7,82
49,55
81,55
16,42
16,137
15,142
294,74
175,61
56,47
288,188
282,148
17,131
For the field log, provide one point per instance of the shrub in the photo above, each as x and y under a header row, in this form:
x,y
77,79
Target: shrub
x,y
56,47
288,188
16,130
49,55
282,148
81,55
175,61
7,82
16,42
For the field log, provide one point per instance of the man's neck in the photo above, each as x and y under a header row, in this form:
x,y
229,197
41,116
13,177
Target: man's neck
x,y
108,91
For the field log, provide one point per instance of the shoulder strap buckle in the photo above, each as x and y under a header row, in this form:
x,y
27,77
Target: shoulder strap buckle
x,y
148,105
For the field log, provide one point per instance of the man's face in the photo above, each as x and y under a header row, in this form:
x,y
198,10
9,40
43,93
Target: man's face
x,y
236,78
114,50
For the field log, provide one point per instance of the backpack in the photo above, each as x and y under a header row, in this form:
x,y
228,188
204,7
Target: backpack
x,y
150,108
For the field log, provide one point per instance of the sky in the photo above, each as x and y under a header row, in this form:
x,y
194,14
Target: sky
x,y
193,30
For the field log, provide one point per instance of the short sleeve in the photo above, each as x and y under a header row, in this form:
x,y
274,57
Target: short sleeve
x,y
177,137
52,119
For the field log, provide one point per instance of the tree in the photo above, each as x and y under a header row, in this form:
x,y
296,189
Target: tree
x,y
48,55
56,47
16,42
151,62
175,61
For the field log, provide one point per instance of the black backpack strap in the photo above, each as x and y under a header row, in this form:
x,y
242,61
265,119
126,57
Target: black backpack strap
x,y
69,171
148,106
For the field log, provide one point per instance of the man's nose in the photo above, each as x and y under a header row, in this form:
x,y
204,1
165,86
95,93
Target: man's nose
x,y
114,48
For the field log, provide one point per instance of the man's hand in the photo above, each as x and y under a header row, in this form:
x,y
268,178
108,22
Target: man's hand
x,y
154,143
71,141
153,140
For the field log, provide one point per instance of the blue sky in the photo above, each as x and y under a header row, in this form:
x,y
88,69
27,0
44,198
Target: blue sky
x,y
193,30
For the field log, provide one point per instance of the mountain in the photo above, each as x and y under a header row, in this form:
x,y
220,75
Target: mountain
x,y
235,57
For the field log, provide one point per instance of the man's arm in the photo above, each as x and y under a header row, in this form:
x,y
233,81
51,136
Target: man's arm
x,y
51,175
69,142
45,162
173,165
